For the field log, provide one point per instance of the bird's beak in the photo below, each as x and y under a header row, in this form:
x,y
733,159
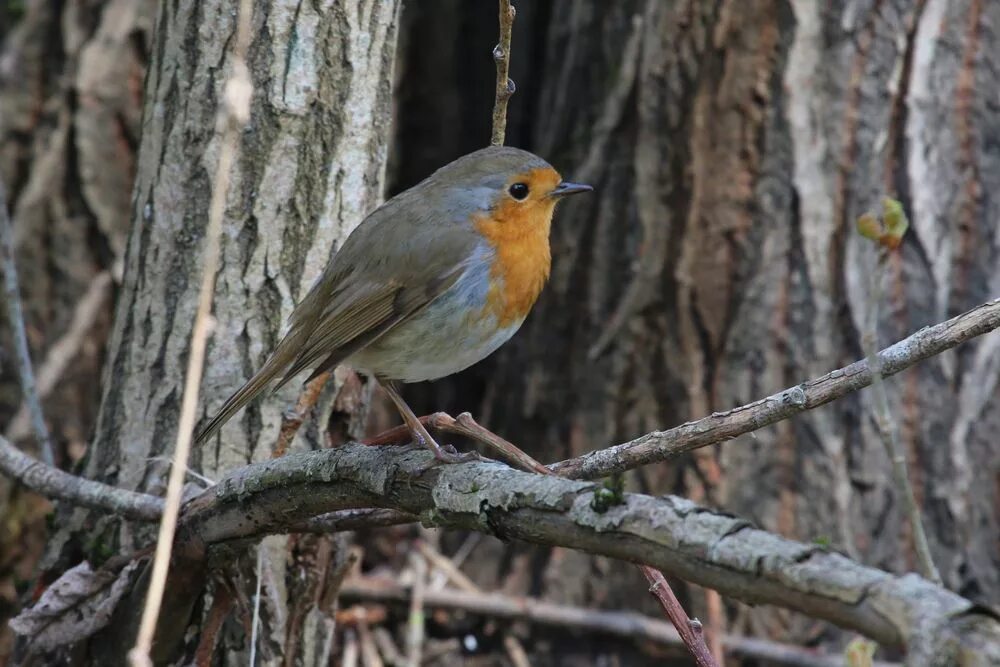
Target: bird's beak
x,y
566,188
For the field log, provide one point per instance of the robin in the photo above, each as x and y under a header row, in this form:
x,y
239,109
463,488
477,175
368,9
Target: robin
x,y
431,282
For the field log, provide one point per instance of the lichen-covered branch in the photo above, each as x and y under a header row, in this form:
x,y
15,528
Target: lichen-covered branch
x,y
672,534
721,426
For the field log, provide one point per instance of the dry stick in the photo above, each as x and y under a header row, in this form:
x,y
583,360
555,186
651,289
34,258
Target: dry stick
x,y
415,625
626,625
52,482
505,86
292,419
515,651
720,426
64,350
255,624
233,115
15,316
463,425
886,427
690,631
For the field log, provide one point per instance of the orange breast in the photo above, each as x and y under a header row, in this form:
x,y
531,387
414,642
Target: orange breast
x,y
520,238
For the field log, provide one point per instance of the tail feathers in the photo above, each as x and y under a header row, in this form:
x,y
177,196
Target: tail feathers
x,y
249,391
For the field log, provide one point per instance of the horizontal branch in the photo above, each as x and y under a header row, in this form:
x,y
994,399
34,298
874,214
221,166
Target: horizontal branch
x,y
701,546
54,483
721,426
627,625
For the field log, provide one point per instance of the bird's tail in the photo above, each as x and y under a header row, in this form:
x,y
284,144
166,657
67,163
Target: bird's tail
x,y
284,354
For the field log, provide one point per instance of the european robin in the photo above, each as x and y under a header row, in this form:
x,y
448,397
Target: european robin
x,y
431,282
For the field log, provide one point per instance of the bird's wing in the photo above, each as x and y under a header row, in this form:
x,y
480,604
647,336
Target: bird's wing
x,y
379,278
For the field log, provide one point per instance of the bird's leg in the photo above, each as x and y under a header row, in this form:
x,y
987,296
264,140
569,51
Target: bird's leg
x,y
419,431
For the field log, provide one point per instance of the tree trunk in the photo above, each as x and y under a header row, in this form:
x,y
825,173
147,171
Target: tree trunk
x,y
732,145
310,167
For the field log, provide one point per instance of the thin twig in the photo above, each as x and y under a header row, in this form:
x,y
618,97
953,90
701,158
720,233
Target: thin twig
x,y
721,426
886,427
15,317
690,630
292,419
65,350
255,625
467,426
387,647
627,625
54,483
415,624
515,651
505,86
369,652
233,115
222,603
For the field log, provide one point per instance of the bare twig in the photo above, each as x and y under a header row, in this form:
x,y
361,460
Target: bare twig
x,y
387,647
515,651
222,603
415,624
369,652
233,115
292,419
255,625
15,317
626,625
505,86
691,632
54,483
467,426
351,651
64,350
886,427
720,426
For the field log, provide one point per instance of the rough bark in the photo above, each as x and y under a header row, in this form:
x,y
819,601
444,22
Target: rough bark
x,y
310,167
718,263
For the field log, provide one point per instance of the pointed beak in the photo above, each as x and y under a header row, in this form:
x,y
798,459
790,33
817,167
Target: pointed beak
x,y
566,188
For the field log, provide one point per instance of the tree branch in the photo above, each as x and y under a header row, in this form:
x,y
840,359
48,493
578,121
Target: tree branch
x,y
701,546
15,316
54,483
720,426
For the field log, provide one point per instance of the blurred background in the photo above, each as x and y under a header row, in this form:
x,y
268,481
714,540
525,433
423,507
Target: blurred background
x,y
732,144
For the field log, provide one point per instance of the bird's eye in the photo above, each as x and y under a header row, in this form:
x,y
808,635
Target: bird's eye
x,y
519,191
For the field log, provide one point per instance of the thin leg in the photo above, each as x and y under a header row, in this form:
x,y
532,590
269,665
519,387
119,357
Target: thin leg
x,y
419,431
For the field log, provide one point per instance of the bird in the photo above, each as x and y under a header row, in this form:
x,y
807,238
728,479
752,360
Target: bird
x,y
431,282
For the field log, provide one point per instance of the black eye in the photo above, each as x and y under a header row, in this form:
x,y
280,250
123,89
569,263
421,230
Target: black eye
x,y
519,191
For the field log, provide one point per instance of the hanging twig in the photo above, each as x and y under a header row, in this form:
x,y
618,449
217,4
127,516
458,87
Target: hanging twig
x,y
691,632
505,85
233,115
886,427
415,625
15,316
